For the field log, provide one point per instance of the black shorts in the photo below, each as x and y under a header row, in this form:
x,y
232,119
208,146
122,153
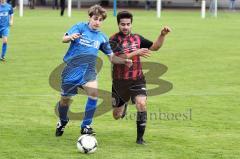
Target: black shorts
x,y
123,90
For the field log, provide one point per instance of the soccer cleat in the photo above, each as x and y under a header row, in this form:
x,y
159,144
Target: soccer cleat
x,y
140,141
88,130
2,59
60,128
124,111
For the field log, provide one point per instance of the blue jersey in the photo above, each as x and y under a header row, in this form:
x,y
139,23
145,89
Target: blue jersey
x,y
81,57
89,43
6,11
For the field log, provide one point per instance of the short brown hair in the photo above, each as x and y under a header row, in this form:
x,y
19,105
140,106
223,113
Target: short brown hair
x,y
98,11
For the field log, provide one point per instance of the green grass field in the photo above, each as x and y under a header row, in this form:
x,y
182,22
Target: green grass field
x,y
202,57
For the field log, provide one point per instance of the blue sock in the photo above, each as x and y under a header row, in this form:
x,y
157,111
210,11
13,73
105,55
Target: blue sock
x,y
4,49
89,112
63,110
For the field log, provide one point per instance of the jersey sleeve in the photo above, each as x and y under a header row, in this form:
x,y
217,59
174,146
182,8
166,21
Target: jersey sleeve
x,y
105,46
75,29
145,43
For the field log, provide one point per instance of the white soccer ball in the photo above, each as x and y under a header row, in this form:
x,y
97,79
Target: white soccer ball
x,y
87,144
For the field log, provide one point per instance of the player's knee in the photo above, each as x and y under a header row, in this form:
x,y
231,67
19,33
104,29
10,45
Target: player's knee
x,y
141,106
141,103
117,115
65,101
93,94
5,40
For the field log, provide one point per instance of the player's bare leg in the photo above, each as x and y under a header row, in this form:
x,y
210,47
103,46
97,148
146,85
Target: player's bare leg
x,y
119,112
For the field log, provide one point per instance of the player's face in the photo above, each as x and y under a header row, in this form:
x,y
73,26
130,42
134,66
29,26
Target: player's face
x,y
125,26
2,1
95,22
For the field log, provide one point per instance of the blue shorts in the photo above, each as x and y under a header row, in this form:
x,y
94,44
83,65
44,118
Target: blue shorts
x,y
74,77
4,32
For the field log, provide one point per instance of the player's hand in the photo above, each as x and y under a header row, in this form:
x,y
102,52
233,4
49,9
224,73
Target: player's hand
x,y
144,52
165,31
74,36
128,62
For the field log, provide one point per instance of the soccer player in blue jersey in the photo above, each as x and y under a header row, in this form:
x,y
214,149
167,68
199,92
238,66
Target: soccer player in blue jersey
x,y
79,72
6,20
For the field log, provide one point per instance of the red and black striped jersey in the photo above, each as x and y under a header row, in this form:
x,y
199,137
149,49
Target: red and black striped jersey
x,y
125,44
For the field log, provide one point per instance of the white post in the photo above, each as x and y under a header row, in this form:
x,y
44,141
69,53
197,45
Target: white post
x,y
159,8
69,8
215,8
79,4
203,9
20,8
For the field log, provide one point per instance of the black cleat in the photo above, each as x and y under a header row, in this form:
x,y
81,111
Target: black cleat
x,y
141,141
60,128
88,130
124,111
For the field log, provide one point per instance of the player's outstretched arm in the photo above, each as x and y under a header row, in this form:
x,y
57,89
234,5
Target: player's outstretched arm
x,y
159,42
68,38
118,60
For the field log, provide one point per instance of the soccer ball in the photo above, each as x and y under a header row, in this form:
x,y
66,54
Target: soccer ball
x,y
87,144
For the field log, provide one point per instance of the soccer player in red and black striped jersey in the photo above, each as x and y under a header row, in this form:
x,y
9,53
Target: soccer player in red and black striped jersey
x,y
129,82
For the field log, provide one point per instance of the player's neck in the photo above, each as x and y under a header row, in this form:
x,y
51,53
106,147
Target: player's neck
x,y
121,33
92,28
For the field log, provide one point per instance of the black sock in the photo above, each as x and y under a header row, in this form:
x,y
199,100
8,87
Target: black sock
x,y
63,110
141,124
